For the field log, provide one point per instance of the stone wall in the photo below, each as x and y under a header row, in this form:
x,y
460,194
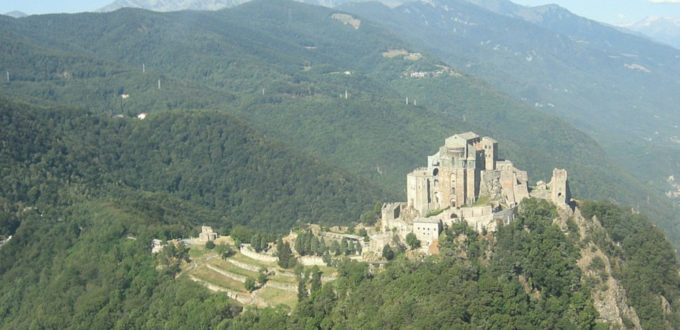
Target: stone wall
x,y
244,265
311,261
241,298
246,251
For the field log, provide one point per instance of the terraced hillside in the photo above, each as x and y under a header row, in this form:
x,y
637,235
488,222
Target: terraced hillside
x,y
230,273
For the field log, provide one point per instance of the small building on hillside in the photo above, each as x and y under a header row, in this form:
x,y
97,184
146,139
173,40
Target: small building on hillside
x,y
427,230
207,234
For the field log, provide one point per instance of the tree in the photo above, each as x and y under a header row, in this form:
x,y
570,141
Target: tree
x,y
224,251
344,246
262,277
255,242
335,247
286,259
299,244
299,270
326,258
172,257
241,234
209,245
316,279
302,289
263,243
250,284
314,246
412,241
322,247
387,252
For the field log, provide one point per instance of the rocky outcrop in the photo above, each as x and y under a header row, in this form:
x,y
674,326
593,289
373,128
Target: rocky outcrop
x,y
609,297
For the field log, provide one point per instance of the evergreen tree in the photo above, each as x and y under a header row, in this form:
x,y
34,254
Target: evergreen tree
x,y
322,247
314,248
262,245
262,276
335,248
286,258
387,252
299,244
302,289
316,279
326,258
309,237
209,245
255,242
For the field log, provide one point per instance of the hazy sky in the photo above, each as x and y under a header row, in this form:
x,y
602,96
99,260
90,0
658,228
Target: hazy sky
x,y
614,11
609,11
51,6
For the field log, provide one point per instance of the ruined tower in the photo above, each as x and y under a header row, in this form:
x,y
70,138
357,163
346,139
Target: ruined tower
x,y
559,189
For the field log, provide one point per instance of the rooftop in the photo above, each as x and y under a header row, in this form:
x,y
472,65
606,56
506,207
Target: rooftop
x,y
426,220
468,135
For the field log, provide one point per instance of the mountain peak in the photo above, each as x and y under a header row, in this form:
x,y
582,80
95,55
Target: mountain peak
x,y
16,14
172,5
659,28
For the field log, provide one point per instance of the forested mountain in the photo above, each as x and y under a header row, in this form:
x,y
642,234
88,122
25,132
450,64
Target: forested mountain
x,y
84,194
204,157
541,271
272,114
617,87
314,78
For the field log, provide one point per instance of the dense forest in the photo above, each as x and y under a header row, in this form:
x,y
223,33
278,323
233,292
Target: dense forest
x,y
265,117
524,276
288,80
84,194
208,158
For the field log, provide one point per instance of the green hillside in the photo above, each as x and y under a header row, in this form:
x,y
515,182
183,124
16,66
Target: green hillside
x,y
207,158
90,266
532,274
267,116
84,194
284,67
618,88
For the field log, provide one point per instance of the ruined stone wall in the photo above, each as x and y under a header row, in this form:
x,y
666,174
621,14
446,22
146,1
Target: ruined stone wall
x,y
490,184
559,190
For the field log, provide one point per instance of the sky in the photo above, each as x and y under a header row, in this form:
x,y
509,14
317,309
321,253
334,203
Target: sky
x,y
614,11
608,11
33,7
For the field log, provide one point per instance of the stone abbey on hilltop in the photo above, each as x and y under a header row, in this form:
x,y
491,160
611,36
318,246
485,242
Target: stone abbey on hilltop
x,y
464,181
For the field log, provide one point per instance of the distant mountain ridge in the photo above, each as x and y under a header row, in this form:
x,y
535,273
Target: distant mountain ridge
x,y
618,87
662,29
176,5
354,95
172,5
16,14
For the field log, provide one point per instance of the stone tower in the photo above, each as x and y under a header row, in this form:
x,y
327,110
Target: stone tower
x,y
490,147
559,189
